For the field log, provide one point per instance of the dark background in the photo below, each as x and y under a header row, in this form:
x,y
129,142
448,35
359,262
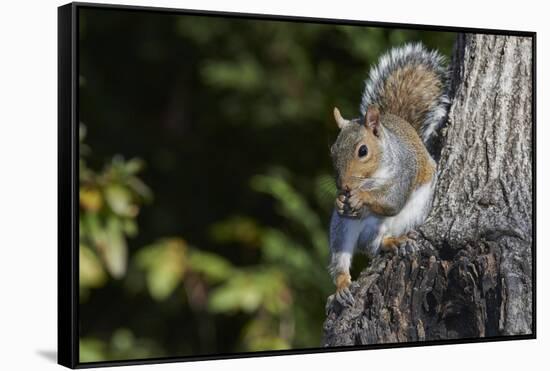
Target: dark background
x,y
205,179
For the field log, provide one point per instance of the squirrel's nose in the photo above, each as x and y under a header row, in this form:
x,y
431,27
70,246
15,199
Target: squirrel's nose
x,y
342,186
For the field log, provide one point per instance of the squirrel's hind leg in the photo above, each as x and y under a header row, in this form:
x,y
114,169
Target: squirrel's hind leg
x,y
340,270
344,233
343,294
393,245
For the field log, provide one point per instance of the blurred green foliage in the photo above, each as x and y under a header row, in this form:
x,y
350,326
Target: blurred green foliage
x,y
109,202
233,119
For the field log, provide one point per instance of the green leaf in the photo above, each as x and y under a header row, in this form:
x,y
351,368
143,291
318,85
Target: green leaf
x,y
114,249
90,199
162,283
214,267
140,188
248,291
165,264
92,225
119,199
278,247
134,166
239,293
91,272
294,207
237,228
130,227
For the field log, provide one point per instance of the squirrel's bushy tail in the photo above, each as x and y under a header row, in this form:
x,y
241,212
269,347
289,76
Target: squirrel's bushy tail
x,y
410,82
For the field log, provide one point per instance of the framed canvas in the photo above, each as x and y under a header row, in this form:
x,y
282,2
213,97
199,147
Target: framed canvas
x,y
236,185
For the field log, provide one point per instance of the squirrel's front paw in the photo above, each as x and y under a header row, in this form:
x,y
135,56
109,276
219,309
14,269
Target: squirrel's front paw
x,y
341,204
343,207
355,200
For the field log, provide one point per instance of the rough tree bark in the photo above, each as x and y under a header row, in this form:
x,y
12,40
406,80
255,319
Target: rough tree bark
x,y
472,275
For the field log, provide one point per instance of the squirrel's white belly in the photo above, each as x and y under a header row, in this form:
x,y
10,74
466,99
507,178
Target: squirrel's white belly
x,y
413,214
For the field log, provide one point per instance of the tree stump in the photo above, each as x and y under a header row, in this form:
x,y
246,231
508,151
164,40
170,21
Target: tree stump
x,y
472,273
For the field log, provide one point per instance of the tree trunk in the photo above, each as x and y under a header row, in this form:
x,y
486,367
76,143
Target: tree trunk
x,y
472,274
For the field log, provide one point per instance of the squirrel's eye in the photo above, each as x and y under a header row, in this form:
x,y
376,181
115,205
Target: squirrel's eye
x,y
363,151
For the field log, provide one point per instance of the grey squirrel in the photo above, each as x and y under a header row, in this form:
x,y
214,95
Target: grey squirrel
x,y
384,173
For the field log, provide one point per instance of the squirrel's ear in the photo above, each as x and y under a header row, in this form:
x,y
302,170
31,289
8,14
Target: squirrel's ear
x,y
372,119
340,121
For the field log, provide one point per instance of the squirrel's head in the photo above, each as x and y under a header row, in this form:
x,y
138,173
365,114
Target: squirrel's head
x,y
356,153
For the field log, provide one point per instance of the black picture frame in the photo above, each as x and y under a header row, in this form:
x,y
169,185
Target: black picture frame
x,y
68,167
